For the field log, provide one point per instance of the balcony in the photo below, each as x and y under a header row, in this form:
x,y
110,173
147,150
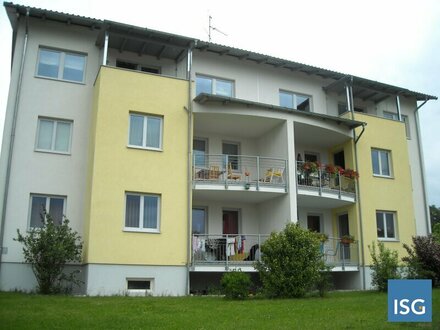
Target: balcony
x,y
217,252
240,173
325,181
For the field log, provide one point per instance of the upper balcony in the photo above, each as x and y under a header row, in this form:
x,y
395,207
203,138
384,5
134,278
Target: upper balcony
x,y
326,181
240,173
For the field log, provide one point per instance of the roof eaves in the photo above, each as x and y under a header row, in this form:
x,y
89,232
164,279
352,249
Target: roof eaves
x,y
205,98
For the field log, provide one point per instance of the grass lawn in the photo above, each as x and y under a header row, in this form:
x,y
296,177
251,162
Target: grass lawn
x,y
340,310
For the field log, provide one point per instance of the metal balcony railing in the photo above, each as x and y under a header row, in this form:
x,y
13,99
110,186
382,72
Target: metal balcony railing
x,y
321,177
227,250
249,171
244,250
338,254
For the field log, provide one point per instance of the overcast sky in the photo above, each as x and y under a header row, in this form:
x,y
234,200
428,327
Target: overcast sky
x,y
395,42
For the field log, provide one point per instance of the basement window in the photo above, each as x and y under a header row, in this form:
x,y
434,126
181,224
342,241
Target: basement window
x,y
139,286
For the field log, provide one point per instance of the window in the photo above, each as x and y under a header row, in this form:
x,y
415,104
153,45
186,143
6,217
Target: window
x,y
342,108
407,129
216,86
381,160
54,205
61,65
294,101
145,132
142,212
53,135
200,150
311,156
314,223
199,225
232,149
390,115
139,286
386,224
138,67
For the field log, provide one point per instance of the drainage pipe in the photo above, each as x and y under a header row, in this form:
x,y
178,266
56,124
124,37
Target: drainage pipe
x,y
13,128
422,167
189,165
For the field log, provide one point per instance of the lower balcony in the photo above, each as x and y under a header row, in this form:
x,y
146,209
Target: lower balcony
x,y
240,173
217,252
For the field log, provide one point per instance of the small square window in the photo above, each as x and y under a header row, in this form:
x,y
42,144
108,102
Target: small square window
x,y
145,131
142,212
53,135
54,205
61,65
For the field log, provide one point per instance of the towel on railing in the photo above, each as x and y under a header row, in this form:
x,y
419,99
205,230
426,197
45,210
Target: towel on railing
x,y
230,249
198,244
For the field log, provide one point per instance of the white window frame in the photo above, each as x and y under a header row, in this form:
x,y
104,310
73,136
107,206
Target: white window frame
x,y
294,100
214,84
390,115
144,132
405,120
205,209
47,206
52,144
141,214
383,218
63,54
140,292
139,66
380,163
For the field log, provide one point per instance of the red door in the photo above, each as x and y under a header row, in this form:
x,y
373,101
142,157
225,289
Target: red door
x,y
230,222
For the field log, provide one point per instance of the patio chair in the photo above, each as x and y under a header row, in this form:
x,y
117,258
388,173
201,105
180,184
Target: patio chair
x,y
274,175
232,175
214,172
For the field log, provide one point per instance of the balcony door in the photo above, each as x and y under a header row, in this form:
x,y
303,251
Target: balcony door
x,y
344,229
232,149
230,222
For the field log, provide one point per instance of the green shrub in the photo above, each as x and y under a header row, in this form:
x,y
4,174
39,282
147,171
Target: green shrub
x,y
324,283
48,249
423,260
236,284
291,262
436,232
385,266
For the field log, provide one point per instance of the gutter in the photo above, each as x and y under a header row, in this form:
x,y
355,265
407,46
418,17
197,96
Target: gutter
x,y
13,128
350,103
422,167
189,188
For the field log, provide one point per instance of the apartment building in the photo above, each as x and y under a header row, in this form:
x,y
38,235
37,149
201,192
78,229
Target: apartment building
x,y
175,158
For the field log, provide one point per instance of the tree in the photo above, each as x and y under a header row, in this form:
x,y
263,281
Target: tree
x,y
434,212
423,260
385,266
48,249
291,262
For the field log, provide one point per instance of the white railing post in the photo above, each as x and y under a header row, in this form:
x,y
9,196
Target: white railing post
x,y
258,172
227,252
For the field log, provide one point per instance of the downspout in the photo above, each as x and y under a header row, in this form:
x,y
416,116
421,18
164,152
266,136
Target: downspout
x,y
189,165
356,139
105,51
13,128
422,167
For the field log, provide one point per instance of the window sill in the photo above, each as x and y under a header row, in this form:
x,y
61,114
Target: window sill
x,y
383,176
144,148
62,80
391,240
141,230
53,152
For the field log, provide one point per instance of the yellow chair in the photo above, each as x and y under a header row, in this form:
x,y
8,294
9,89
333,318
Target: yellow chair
x,y
214,172
231,175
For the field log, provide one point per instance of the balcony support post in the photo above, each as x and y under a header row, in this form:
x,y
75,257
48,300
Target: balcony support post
x,y
399,113
258,173
320,182
226,253
226,171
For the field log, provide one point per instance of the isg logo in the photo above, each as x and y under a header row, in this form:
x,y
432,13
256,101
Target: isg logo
x,y
409,301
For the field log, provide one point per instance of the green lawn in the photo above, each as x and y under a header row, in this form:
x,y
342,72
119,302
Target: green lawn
x,y
340,310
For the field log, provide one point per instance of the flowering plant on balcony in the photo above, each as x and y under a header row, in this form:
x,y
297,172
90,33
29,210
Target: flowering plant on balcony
x,y
310,167
351,174
333,170
322,237
347,239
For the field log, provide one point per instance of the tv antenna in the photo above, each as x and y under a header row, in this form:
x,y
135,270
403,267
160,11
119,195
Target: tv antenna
x,y
212,28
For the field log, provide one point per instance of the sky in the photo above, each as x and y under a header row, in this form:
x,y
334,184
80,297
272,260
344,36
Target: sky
x,y
394,42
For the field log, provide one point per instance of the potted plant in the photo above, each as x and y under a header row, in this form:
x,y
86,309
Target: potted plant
x,y
351,174
347,239
310,167
322,237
